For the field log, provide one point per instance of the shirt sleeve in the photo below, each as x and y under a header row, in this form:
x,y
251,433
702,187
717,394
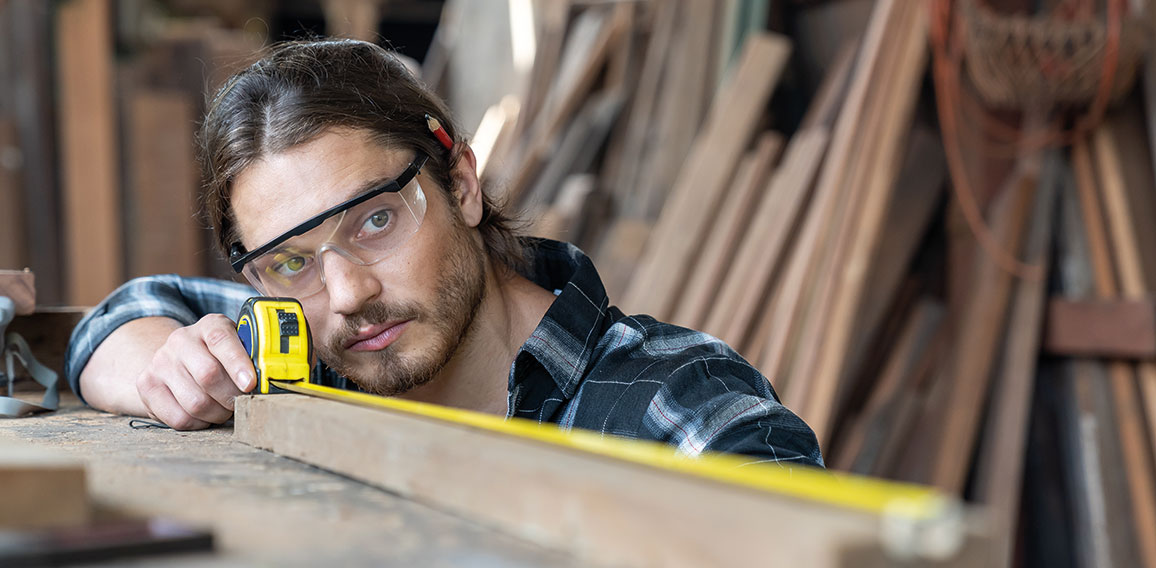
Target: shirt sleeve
x,y
720,403
184,299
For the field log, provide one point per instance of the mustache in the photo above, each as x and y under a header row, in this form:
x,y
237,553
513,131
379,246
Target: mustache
x,y
372,314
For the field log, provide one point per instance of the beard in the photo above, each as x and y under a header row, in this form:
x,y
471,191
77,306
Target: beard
x,y
459,292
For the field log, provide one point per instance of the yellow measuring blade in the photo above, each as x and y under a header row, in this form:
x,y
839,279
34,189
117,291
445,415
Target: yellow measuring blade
x,y
813,484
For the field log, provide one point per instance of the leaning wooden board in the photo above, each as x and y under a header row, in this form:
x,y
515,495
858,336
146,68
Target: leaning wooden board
x,y
609,501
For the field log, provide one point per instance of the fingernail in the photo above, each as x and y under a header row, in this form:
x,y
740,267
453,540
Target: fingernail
x,y
246,380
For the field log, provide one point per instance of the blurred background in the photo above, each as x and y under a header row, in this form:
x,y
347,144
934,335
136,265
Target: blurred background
x,y
930,223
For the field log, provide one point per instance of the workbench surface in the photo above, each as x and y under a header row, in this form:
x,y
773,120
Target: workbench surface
x,y
263,509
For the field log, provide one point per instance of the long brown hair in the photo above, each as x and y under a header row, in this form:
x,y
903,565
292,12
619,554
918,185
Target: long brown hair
x,y
298,90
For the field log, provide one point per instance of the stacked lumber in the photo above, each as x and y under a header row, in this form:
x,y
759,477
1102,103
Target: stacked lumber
x,y
831,256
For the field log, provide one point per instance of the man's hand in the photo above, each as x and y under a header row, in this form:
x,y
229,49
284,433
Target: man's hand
x,y
194,377
186,377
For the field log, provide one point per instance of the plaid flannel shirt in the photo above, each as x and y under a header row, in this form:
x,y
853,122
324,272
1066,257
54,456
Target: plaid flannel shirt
x,y
587,365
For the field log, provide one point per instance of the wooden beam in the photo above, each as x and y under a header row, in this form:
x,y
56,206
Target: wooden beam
x,y
612,511
92,217
702,183
1111,329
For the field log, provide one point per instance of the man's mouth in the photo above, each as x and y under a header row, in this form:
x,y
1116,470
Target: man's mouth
x,y
376,337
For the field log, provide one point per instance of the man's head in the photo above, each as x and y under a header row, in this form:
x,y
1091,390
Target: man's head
x,y
314,124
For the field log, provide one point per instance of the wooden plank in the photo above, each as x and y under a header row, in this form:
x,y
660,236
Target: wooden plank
x,y
619,252
20,287
595,34
641,120
702,184
701,293
808,254
866,436
919,190
764,251
40,488
164,181
825,353
92,219
1126,225
681,116
616,512
981,329
1137,451
1112,329
999,471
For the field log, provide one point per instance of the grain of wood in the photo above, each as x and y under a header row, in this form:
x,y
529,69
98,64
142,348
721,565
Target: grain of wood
x,y
92,216
724,238
701,186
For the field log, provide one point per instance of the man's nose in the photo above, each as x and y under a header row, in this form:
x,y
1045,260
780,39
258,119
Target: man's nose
x,y
350,284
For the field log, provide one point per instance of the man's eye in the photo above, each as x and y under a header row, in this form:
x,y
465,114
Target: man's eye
x,y
376,223
290,266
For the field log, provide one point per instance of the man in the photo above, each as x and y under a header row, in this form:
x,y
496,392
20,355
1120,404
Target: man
x,y
334,177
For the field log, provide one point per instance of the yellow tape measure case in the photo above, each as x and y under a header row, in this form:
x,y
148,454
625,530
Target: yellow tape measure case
x,y
278,340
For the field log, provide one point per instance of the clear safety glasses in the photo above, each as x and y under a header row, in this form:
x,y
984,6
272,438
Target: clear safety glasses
x,y
365,230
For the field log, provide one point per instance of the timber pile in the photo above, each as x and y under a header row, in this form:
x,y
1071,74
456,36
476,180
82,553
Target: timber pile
x,y
836,262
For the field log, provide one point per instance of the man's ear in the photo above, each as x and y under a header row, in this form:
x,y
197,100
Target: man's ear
x,y
467,188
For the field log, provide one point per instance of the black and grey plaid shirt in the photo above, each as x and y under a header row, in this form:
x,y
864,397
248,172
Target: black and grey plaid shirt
x,y
587,365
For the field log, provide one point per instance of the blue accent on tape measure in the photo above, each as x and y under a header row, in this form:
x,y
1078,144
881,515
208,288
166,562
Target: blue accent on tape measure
x,y
245,331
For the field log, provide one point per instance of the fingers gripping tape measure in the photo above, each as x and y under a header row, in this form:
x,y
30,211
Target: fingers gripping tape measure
x,y
277,338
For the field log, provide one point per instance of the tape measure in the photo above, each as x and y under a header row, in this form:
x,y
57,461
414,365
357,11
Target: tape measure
x,y
277,338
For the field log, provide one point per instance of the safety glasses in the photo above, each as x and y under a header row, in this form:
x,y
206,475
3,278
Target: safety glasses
x,y
365,230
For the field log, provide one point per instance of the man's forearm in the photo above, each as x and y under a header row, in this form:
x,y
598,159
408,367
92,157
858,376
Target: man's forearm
x,y
108,381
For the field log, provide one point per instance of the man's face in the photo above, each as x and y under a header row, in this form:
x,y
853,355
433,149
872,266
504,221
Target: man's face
x,y
392,325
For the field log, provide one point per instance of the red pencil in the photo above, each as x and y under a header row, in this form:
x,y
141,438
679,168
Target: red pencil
x,y
439,132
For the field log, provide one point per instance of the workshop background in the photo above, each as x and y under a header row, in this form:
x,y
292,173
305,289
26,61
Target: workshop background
x,y
931,223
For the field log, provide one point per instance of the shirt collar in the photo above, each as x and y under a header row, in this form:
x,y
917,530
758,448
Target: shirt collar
x,y
564,341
